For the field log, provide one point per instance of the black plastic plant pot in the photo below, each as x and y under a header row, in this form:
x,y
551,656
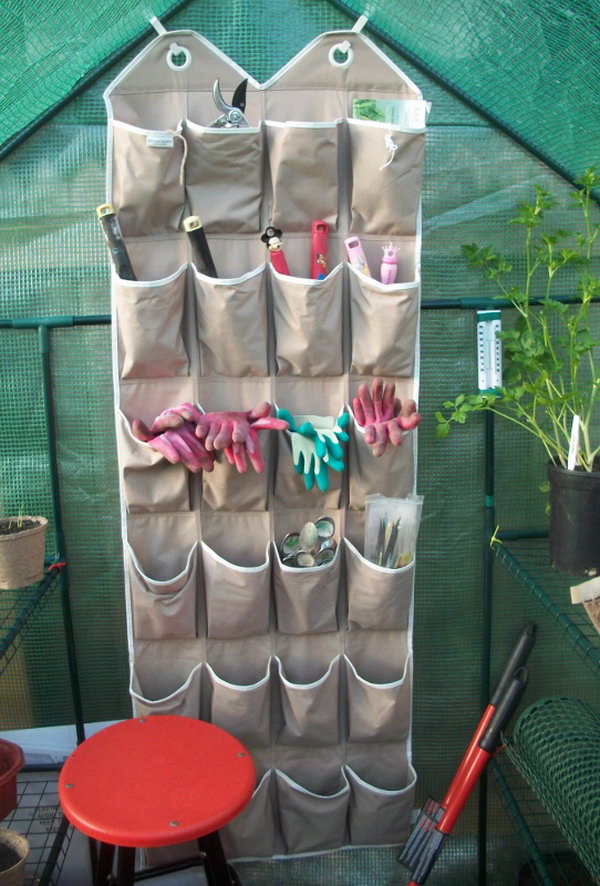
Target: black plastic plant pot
x,y
574,520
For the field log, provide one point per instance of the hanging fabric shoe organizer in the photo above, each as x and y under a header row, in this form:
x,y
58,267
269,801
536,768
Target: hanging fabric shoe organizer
x,y
310,667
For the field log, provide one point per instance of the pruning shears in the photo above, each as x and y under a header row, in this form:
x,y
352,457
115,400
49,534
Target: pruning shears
x,y
232,116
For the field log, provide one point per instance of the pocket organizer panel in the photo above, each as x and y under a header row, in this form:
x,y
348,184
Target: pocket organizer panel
x,y
308,324
184,701
378,711
384,320
150,482
379,814
306,599
164,609
237,597
147,187
251,833
232,324
313,821
223,177
150,321
378,598
370,474
303,162
386,178
244,710
310,710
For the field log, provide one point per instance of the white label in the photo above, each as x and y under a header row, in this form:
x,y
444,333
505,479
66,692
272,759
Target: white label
x,y
159,140
588,590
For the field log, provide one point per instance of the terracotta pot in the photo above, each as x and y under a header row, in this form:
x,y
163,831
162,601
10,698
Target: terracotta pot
x,y
22,552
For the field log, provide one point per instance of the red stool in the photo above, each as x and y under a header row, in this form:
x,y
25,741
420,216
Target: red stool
x,y
156,781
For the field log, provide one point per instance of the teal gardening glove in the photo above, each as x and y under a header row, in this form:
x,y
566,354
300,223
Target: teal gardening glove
x,y
316,446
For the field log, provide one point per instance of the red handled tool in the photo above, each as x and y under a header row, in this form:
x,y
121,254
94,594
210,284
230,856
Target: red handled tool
x,y
272,237
434,813
318,253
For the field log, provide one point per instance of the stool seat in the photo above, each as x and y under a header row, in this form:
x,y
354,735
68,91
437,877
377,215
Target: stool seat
x,y
155,781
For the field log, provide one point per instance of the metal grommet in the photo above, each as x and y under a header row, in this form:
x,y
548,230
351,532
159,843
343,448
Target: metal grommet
x,y
175,50
341,55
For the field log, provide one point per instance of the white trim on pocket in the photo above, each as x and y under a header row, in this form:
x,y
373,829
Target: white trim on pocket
x,y
311,821
308,324
184,701
232,323
384,320
377,815
301,152
149,316
244,710
378,597
306,598
223,177
164,608
251,833
379,711
310,710
237,597
151,201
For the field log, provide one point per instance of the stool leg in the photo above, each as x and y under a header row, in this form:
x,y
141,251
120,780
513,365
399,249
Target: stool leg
x,y
217,870
125,866
103,865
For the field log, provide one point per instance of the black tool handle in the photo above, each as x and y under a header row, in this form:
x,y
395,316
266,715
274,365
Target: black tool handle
x,y
517,659
504,710
116,244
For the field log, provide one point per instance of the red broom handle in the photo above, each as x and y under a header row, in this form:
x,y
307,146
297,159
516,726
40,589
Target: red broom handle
x,y
457,781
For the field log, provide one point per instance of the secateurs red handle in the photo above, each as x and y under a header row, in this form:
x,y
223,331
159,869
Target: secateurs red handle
x,y
318,253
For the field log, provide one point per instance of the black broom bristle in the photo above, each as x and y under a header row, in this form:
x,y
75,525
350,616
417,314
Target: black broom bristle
x,y
435,841
429,815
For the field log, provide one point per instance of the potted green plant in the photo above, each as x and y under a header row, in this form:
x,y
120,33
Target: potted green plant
x,y
22,547
550,383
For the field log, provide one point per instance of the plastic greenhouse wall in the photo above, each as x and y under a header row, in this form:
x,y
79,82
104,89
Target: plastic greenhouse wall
x,y
53,262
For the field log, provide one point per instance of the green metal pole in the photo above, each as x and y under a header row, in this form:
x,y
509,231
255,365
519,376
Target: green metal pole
x,y
44,347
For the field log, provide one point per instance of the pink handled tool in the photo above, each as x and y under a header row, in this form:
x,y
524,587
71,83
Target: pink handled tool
x,y
318,254
389,263
356,255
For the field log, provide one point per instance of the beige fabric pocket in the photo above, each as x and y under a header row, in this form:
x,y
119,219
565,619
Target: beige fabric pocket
x,y
223,182
387,170
380,814
368,474
313,821
184,701
162,543
224,489
150,320
251,833
147,192
378,711
242,710
310,710
308,324
384,326
237,597
306,599
150,482
166,608
378,598
232,324
303,160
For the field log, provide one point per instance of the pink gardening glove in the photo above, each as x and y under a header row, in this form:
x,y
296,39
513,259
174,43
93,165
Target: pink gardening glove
x,y
178,443
237,434
383,416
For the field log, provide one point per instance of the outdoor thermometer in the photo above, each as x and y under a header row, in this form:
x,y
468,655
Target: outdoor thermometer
x,y
489,351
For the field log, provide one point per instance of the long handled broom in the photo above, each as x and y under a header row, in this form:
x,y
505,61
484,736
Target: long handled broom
x,y
435,814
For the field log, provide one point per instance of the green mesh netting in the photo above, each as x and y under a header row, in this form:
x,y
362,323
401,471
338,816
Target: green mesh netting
x,y
556,745
53,261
